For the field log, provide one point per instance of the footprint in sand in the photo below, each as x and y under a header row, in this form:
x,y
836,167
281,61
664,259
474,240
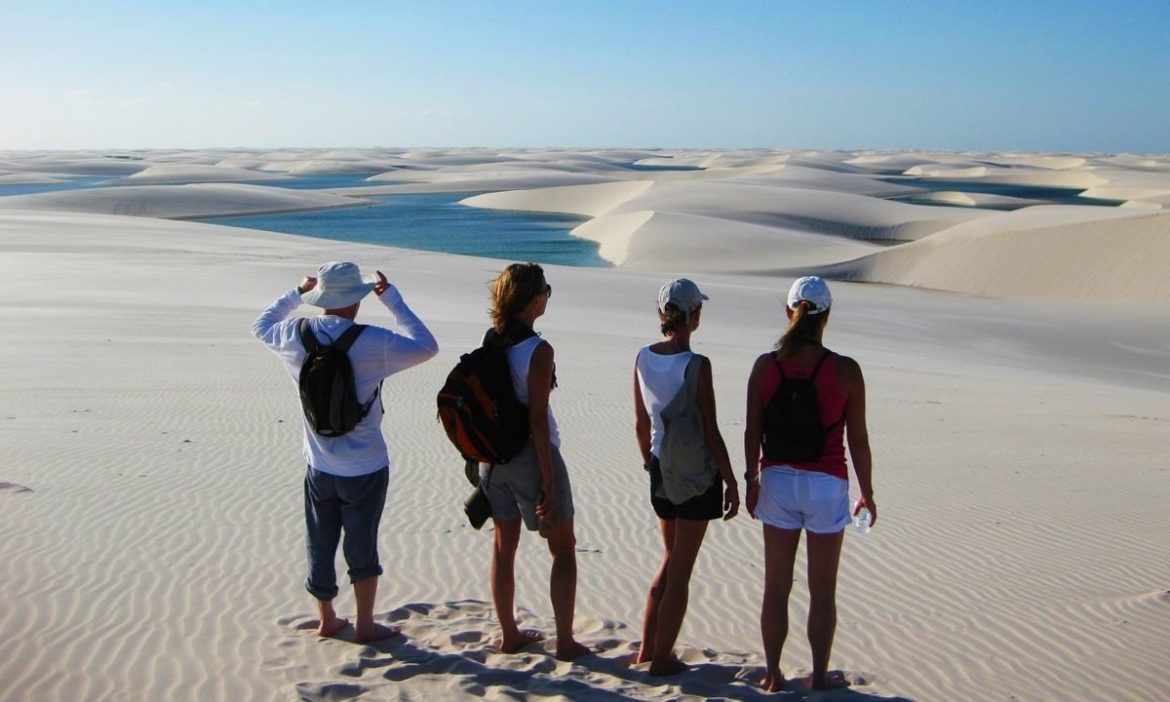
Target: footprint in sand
x,y
13,488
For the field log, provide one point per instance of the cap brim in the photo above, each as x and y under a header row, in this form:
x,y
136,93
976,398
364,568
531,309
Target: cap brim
x,y
336,299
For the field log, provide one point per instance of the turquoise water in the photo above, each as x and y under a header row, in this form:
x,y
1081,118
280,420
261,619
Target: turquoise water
x,y
317,182
437,222
30,188
433,222
1041,195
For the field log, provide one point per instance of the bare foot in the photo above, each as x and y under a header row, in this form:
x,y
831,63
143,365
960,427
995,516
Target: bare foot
x,y
644,655
571,650
512,644
672,667
832,680
328,628
376,632
773,682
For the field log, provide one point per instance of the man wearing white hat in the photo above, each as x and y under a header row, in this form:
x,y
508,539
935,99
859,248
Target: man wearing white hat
x,y
346,475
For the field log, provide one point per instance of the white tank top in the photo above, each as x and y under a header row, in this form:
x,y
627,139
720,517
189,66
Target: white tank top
x,y
519,359
660,378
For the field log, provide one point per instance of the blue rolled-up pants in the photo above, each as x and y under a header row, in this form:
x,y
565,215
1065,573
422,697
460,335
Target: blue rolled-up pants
x,y
336,504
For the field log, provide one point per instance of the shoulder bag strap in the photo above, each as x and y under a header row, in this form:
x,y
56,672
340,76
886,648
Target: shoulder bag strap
x,y
348,337
308,340
817,367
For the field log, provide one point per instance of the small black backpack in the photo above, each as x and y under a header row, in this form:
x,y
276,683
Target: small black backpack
x,y
478,407
793,432
326,384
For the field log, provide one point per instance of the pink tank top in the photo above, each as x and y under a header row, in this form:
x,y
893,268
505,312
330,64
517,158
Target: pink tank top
x,y
831,400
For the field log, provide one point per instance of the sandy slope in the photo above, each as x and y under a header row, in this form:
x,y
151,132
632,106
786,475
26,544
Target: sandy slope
x,y
1123,254
180,201
150,479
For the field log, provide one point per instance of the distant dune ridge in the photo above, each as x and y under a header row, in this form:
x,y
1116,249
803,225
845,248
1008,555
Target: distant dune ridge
x,y
1015,349
748,211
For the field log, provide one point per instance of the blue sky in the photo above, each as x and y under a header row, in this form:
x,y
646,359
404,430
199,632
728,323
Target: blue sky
x,y
1064,75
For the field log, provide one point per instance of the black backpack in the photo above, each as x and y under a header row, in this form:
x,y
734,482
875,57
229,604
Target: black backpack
x,y
478,407
326,384
793,432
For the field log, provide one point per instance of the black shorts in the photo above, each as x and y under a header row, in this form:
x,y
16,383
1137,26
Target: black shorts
x,y
707,506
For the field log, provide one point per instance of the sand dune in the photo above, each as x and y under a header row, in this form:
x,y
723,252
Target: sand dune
x,y
784,209
728,226
81,164
135,505
164,174
411,181
149,448
949,170
179,201
28,179
587,200
1080,259
1056,163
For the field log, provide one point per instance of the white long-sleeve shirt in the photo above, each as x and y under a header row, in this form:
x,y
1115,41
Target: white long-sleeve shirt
x,y
376,354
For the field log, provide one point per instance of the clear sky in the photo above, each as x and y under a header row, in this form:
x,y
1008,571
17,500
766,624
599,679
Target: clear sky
x,y
1062,75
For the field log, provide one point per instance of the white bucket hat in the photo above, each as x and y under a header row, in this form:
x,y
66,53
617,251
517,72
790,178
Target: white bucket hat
x,y
339,284
813,290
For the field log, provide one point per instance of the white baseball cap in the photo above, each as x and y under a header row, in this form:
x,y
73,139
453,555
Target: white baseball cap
x,y
812,289
682,293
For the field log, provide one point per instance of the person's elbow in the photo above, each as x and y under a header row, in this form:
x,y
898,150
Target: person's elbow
x,y
431,348
261,328
426,348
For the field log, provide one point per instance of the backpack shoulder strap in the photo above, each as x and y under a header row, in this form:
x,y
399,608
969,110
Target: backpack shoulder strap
x,y
348,337
308,339
691,376
779,367
817,367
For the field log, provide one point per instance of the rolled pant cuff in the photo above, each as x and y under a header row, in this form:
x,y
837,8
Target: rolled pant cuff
x,y
324,594
363,573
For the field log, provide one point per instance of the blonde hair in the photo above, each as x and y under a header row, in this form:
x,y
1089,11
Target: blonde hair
x,y
513,289
802,329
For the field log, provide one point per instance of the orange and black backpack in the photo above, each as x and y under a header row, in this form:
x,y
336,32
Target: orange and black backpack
x,y
478,407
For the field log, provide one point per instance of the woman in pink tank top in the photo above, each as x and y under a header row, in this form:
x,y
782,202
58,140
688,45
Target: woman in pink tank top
x,y
804,403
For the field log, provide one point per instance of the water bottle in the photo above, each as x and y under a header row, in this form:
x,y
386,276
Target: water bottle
x,y
861,521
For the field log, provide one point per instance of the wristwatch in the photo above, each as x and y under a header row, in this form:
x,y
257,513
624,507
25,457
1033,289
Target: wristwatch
x,y
749,477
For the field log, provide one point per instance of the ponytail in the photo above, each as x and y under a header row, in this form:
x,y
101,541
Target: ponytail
x,y
672,320
802,329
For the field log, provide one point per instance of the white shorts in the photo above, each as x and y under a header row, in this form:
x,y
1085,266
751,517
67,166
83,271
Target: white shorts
x,y
803,499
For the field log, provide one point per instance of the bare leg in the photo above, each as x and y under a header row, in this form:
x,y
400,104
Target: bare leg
x,y
688,537
329,623
824,554
504,586
562,586
366,629
779,561
654,597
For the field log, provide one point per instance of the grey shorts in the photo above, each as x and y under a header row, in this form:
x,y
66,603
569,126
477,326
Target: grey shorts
x,y
513,488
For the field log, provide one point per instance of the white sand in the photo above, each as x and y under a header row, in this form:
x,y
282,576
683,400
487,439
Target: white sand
x,y
149,447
